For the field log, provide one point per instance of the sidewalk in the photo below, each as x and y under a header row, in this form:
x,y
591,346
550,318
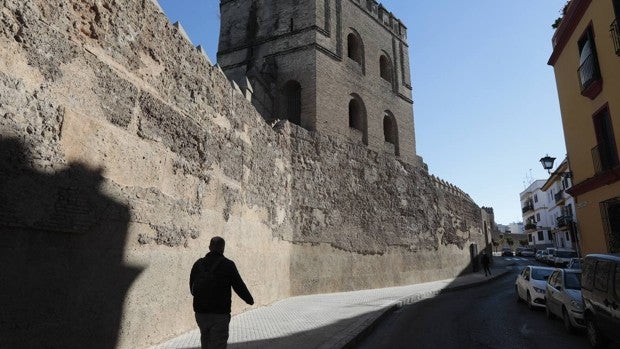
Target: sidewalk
x,y
324,321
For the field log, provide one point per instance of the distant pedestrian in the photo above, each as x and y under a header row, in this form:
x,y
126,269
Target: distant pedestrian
x,y
485,263
210,282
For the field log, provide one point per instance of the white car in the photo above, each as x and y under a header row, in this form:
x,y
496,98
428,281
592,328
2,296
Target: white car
x,y
564,298
527,252
550,255
531,285
563,256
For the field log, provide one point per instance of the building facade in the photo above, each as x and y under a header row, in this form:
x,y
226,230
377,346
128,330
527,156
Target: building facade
x,y
339,67
536,220
562,207
586,62
516,228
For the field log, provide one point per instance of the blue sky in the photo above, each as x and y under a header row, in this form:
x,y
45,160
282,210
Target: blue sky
x,y
485,101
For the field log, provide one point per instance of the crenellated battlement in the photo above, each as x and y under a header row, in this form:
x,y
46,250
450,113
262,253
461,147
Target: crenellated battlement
x,y
449,187
382,15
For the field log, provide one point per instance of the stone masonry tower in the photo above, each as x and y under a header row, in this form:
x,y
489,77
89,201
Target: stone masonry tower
x,y
339,67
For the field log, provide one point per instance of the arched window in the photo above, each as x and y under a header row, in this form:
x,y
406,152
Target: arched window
x,y
291,91
357,116
390,131
385,68
355,48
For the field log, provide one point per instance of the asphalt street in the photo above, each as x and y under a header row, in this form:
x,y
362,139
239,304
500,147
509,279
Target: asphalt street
x,y
486,316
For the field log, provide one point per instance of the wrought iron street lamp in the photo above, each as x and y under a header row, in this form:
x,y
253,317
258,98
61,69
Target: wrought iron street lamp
x,y
547,163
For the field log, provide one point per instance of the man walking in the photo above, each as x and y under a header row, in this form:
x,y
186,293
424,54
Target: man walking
x,y
485,263
210,282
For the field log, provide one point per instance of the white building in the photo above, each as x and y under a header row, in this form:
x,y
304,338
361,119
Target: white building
x,y
562,207
537,223
503,228
516,228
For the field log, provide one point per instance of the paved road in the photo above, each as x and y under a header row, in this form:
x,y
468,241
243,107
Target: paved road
x,y
486,316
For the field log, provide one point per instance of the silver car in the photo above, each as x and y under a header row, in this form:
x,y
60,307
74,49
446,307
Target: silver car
x,y
563,298
527,252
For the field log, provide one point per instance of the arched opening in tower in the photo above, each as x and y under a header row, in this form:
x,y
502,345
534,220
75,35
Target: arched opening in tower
x,y
292,101
390,131
385,68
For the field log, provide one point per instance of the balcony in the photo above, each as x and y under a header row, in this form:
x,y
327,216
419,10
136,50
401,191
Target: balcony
x,y
530,226
564,221
590,77
604,158
559,197
527,208
614,28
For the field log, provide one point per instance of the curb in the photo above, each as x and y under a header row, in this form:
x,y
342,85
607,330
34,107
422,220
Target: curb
x,y
357,337
474,284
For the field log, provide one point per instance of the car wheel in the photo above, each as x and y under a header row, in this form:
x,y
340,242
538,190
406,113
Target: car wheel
x,y
594,335
567,325
548,312
530,305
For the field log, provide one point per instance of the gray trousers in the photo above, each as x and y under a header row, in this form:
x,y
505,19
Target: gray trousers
x,y
213,330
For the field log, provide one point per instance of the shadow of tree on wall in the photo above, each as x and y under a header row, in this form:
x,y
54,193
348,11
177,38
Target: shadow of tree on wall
x,y
62,282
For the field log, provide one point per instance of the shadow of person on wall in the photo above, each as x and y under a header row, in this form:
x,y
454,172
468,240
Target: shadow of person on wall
x,y
62,278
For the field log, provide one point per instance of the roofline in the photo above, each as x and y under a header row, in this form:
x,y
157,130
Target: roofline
x,y
574,13
556,174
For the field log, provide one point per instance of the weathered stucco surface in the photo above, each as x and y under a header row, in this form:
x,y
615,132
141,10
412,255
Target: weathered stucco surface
x,y
123,151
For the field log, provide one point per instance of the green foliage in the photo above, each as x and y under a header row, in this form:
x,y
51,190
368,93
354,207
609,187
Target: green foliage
x,y
558,20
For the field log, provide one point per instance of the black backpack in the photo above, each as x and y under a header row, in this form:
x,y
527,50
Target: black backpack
x,y
204,280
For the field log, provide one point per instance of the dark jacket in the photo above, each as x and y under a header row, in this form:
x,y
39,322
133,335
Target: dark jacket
x,y
485,259
227,276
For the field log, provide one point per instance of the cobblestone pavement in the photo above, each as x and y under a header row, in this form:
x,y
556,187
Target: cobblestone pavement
x,y
324,320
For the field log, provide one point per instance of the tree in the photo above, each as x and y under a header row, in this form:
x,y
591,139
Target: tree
x,y
523,243
495,243
510,242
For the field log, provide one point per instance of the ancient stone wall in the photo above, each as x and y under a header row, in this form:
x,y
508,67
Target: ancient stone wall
x,y
123,151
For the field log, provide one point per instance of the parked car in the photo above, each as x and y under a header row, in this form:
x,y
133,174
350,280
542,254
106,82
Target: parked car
x,y
531,285
550,255
541,255
575,263
563,256
518,251
600,288
527,252
538,255
563,298
506,251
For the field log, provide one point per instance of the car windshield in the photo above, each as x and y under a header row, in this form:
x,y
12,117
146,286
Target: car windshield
x,y
572,281
541,274
565,254
576,265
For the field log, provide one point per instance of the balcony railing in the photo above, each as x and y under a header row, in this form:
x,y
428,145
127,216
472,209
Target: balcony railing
x,y
604,158
564,221
589,72
530,226
614,28
559,196
527,208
